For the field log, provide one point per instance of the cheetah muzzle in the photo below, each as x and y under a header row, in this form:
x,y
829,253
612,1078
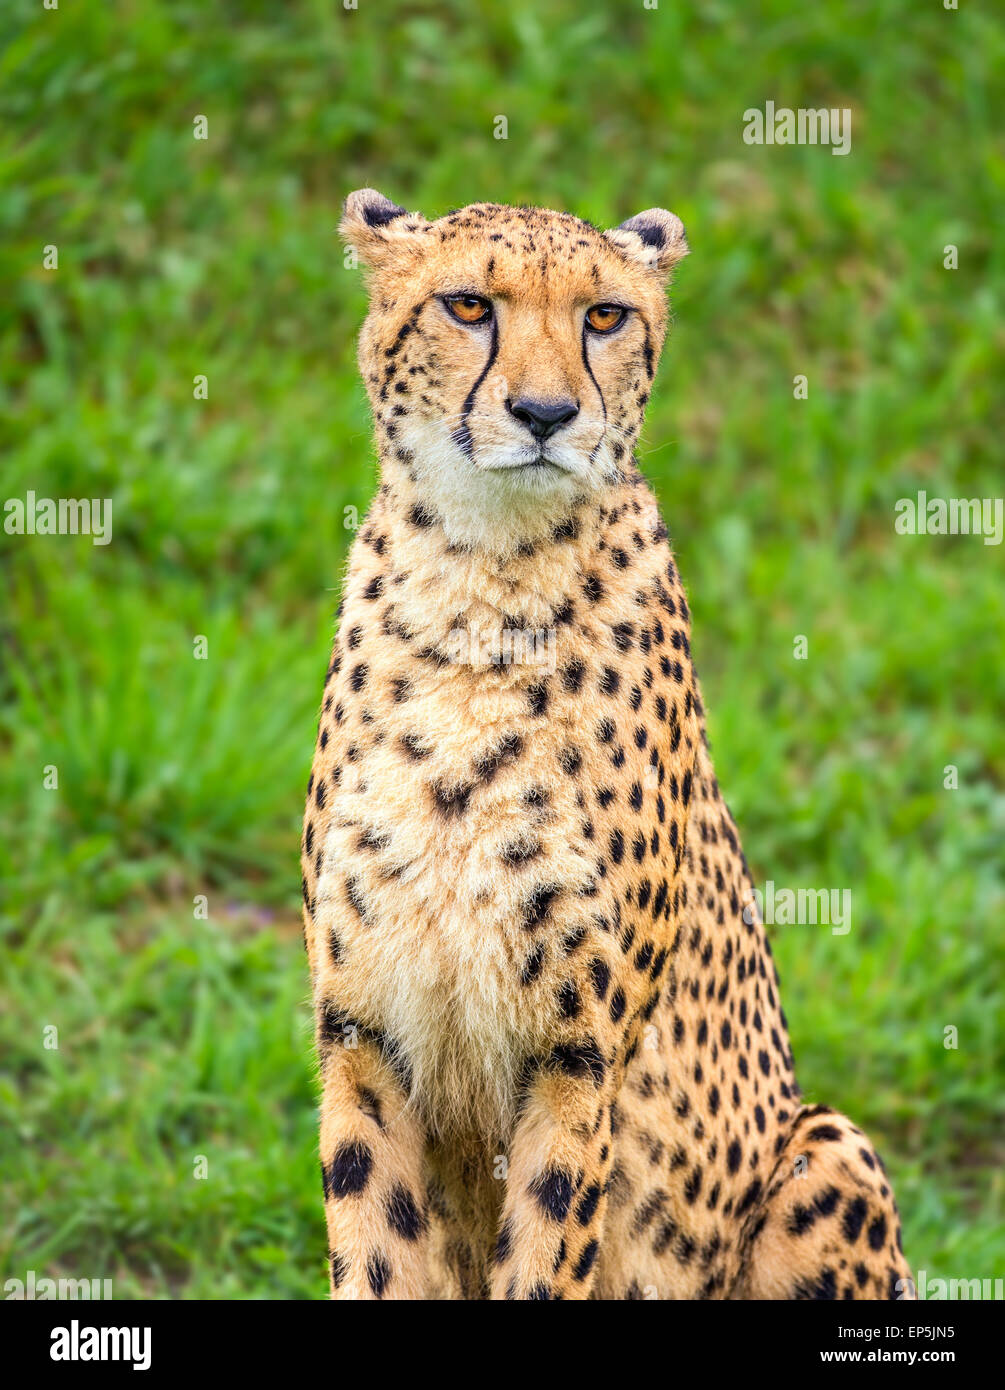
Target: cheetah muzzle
x,y
554,1063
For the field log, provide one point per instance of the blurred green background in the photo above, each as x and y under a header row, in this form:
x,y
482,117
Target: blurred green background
x,y
181,1037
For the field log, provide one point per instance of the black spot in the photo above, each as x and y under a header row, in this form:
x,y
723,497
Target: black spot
x,y
403,1215
877,1233
734,1156
749,1197
520,853
563,614
822,1133
692,1186
553,1190
609,681
650,234
854,1217
537,698
378,1274
414,747
355,896
451,801
507,750
379,214
601,977
538,905
349,1170
579,1059
825,1287
570,760
532,965
572,675
504,1243
644,956
588,1204
568,1000
800,1219
826,1201
586,1260
684,1248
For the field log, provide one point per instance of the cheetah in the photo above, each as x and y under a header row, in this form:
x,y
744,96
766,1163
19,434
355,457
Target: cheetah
x,y
553,1060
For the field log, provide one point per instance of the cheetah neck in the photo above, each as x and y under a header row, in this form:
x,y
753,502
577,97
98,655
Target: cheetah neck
x,y
438,586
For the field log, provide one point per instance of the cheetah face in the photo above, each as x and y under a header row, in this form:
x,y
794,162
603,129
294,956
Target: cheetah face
x,y
509,352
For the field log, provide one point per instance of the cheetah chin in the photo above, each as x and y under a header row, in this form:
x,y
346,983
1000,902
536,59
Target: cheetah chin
x,y
554,1063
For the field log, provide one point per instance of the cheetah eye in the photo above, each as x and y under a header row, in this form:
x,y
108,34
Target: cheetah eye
x,y
605,318
469,308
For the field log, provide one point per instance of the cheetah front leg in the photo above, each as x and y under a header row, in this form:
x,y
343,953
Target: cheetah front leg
x,y
372,1161
560,1160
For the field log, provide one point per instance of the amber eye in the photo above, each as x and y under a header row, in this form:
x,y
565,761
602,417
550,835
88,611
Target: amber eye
x,y
469,308
604,318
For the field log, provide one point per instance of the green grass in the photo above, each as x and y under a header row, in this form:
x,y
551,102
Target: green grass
x,y
180,1037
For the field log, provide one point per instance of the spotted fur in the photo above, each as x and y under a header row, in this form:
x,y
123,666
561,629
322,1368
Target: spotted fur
x,y
553,1057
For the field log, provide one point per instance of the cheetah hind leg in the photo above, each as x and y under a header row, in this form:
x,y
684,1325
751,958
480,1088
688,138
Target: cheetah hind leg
x,y
827,1225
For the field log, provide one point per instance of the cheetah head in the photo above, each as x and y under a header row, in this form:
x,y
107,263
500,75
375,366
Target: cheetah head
x,y
508,353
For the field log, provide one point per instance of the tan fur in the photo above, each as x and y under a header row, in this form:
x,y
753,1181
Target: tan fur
x,y
553,1058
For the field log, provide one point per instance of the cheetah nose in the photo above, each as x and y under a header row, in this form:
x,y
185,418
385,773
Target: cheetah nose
x,y
543,418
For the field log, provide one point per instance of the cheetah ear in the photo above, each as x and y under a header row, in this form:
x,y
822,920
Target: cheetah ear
x,y
375,227
655,238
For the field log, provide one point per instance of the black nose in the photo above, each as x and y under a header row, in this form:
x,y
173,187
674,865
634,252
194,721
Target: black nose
x,y
543,418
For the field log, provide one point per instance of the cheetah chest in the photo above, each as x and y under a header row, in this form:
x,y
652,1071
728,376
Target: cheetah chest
x,y
453,854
